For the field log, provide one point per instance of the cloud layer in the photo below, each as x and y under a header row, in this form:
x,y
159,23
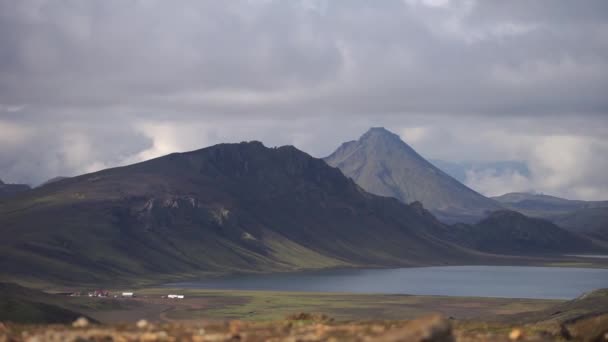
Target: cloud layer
x,y
92,84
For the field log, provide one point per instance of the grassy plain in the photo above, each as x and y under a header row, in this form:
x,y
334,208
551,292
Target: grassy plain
x,y
268,305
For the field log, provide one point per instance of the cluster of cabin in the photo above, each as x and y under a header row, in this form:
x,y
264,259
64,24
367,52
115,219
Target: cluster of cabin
x,y
99,293
106,294
174,296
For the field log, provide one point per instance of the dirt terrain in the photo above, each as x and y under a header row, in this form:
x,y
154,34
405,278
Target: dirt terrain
x,y
308,327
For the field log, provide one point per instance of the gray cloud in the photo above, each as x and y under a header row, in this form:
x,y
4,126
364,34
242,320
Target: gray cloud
x,y
90,84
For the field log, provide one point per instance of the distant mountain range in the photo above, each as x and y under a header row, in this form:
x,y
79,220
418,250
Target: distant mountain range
x,y
383,164
588,217
9,190
510,232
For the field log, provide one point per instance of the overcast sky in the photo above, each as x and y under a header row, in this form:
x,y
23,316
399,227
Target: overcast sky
x,y
86,85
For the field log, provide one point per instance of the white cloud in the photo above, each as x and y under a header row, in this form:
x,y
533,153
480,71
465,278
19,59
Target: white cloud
x,y
562,161
13,133
11,108
415,134
168,137
490,183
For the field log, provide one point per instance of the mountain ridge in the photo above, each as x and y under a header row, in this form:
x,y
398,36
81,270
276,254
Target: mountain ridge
x,y
511,232
587,217
225,208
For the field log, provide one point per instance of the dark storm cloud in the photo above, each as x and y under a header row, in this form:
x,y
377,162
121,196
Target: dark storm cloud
x,y
87,84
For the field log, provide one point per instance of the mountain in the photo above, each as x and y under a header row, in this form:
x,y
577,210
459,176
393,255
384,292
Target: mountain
x,y
588,217
10,190
544,205
225,208
589,221
510,232
381,163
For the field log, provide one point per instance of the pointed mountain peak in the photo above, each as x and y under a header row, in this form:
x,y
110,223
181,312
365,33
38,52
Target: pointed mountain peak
x,y
381,139
383,164
379,132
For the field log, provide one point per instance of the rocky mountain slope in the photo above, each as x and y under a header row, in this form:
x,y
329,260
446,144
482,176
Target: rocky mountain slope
x,y
226,208
381,163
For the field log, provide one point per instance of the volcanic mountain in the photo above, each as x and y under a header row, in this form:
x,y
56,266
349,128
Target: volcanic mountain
x,y
383,164
225,208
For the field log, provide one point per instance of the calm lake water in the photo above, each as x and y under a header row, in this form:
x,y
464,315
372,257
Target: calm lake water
x,y
481,281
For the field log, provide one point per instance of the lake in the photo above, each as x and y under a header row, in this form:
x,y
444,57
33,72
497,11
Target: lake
x,y
479,281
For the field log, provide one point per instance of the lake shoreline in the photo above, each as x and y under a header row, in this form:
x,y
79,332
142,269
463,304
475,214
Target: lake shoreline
x,y
488,281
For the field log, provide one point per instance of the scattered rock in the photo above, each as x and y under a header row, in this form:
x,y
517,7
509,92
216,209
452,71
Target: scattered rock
x,y
427,329
587,329
235,327
516,334
305,316
148,337
142,323
81,322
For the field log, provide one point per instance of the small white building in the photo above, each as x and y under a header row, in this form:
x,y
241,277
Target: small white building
x,y
174,296
127,294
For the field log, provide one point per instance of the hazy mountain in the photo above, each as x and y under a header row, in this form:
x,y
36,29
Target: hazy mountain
x,y
589,221
53,180
9,190
544,205
229,207
383,164
510,232
589,217
458,170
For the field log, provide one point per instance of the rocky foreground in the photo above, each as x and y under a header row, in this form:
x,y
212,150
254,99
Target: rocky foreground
x,y
306,327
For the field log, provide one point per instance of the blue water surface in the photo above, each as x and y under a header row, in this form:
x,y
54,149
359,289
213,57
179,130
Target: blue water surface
x,y
478,281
